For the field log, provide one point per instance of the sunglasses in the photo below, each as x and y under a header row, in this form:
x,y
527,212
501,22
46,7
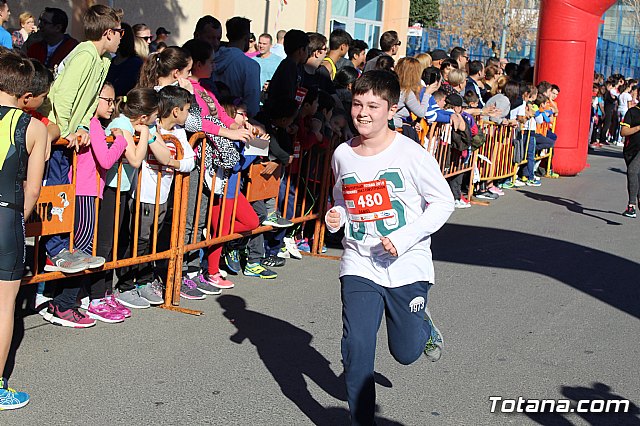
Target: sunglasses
x,y
119,31
399,43
146,38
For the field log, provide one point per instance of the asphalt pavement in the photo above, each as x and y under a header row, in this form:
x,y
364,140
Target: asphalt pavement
x,y
537,295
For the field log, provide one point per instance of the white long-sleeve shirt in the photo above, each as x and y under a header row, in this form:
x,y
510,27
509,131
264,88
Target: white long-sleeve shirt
x,y
422,202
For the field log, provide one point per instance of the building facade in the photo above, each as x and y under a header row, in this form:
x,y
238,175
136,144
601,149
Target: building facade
x,y
364,19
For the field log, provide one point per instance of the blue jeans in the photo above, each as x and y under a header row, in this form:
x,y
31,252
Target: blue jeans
x,y
57,173
363,303
530,136
274,242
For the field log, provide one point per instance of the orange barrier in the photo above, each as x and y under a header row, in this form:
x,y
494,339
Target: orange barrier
x,y
495,157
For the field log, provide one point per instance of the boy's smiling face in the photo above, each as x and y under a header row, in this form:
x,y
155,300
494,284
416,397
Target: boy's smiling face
x,y
371,114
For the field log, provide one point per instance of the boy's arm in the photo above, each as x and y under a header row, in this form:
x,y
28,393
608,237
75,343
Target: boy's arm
x,y
333,222
36,147
436,192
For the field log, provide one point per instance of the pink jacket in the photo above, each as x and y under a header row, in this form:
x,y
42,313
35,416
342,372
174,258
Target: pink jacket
x,y
96,157
208,126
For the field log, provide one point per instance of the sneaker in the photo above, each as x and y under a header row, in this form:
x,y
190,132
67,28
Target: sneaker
x,y
284,253
206,287
232,260
69,318
277,221
217,281
189,290
11,399
273,262
92,261
518,183
497,191
115,304
435,344
553,175
324,248
257,270
507,184
630,211
303,245
459,204
84,303
103,311
533,182
486,195
132,299
153,292
41,303
292,248
65,262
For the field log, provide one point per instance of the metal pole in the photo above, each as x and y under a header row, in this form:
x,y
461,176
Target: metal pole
x,y
266,16
322,16
505,23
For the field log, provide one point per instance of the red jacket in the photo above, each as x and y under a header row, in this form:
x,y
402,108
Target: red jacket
x,y
39,51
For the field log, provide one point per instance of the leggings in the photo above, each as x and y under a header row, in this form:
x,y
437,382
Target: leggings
x,y
246,220
633,179
85,220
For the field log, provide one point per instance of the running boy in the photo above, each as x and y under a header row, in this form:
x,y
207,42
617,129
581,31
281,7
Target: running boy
x,y
391,196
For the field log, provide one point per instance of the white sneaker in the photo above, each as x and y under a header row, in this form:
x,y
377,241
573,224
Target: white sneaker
x,y
518,183
42,302
459,204
292,248
223,273
284,253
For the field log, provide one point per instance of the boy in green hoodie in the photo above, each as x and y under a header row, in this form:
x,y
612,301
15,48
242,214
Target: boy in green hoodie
x,y
73,99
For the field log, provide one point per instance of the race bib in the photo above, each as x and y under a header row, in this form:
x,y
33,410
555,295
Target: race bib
x,y
367,201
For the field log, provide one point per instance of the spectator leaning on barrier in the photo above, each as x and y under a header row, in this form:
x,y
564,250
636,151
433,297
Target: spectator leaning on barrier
x,y
389,45
54,45
74,98
240,73
268,60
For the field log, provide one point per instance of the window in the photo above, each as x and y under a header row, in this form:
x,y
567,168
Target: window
x,y
361,18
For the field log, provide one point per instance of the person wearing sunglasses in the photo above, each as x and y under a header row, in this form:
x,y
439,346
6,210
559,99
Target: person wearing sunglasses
x,y
54,45
143,32
389,44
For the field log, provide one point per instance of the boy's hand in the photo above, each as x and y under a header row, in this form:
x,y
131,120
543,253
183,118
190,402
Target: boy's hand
x,y
333,219
269,168
388,246
243,135
78,139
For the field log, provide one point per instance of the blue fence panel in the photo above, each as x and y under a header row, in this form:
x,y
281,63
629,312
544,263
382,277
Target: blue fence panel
x,y
611,57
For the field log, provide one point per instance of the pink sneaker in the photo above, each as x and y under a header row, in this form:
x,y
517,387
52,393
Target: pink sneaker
x,y
70,318
496,190
216,280
117,306
103,311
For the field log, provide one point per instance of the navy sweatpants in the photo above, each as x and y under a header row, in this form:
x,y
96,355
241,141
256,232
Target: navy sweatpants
x,y
363,303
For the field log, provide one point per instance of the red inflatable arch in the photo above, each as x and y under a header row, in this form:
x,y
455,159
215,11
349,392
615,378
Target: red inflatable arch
x,y
566,53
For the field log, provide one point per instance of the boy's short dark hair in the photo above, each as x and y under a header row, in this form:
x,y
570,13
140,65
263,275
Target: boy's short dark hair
x,y
471,97
557,89
544,86
475,67
325,101
339,37
238,27
98,19
42,79
205,21
449,62
283,108
383,84
311,96
388,39
294,40
439,94
357,47
316,42
200,50
456,52
16,73
171,97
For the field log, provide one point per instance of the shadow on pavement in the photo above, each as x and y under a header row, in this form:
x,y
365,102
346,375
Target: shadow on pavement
x,y
598,391
604,152
604,276
572,206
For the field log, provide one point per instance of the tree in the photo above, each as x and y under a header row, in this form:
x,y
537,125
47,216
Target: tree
x,y
634,11
426,12
482,20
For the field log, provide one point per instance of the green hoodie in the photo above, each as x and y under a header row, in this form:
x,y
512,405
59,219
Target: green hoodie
x,y
73,97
